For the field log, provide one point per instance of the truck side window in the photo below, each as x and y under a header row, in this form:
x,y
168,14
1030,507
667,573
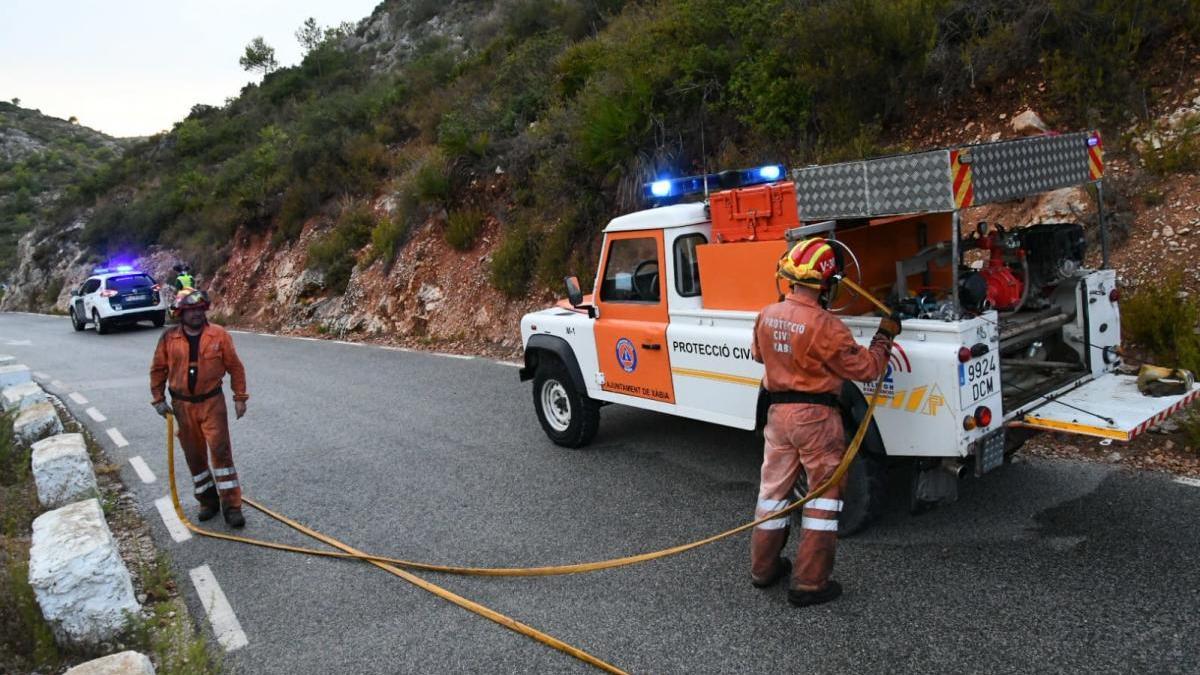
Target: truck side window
x,y
687,264
631,272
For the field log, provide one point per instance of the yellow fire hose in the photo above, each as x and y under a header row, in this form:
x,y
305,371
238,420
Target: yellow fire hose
x,y
395,565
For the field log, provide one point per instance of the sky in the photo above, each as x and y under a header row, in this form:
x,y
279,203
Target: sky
x,y
135,67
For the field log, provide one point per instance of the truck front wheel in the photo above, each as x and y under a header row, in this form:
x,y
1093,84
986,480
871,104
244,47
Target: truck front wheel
x,y
566,414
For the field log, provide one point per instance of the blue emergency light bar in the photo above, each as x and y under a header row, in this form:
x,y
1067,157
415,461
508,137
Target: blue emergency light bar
x,y
672,189
119,268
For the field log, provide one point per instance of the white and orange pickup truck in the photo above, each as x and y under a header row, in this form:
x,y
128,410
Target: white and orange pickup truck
x,y
1006,332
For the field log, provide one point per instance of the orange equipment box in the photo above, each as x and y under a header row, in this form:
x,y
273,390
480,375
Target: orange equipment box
x,y
756,213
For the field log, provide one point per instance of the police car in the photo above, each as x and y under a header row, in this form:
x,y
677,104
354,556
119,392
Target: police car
x,y
119,295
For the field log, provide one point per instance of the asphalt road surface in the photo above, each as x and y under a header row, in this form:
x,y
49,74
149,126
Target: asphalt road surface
x,y
1046,566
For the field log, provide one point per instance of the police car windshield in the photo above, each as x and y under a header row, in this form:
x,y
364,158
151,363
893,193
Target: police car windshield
x,y
130,282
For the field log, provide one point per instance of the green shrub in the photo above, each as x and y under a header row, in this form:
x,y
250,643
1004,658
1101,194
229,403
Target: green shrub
x,y
463,226
511,262
430,179
387,237
1161,319
1180,154
335,254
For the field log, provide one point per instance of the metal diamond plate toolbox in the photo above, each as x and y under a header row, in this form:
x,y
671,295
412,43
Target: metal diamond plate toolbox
x,y
832,191
911,183
908,183
1014,169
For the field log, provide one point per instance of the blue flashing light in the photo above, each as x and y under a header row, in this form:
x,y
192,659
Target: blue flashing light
x,y
771,172
1093,141
670,189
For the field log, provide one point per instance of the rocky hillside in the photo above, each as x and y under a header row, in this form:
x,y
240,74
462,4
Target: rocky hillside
x,y
41,159
431,172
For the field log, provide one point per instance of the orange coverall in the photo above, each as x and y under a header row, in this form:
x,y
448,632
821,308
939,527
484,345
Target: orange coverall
x,y
203,425
804,348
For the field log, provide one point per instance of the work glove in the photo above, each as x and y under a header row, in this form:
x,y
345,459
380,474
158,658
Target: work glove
x,y
162,408
889,327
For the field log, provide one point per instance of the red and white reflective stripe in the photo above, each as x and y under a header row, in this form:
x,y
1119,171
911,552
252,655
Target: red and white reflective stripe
x,y
777,524
1144,426
819,524
823,504
765,508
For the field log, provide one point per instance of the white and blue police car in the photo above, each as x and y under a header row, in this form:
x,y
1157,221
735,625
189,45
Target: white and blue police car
x,y
118,295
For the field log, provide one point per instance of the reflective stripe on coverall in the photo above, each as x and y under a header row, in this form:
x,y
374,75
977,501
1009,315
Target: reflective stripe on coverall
x,y
804,348
204,425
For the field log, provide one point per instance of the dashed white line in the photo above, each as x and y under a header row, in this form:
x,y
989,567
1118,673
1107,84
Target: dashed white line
x,y
220,614
510,364
40,375
171,519
464,357
143,470
1192,482
116,437
78,398
95,414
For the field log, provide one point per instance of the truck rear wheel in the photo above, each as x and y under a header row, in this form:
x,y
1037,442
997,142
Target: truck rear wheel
x,y
863,495
566,414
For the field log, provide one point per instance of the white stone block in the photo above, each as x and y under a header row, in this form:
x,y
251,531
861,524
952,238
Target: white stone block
x,y
78,577
21,396
14,374
124,663
62,470
37,422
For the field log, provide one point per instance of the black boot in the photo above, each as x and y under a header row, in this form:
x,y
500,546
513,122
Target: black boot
x,y
783,569
234,518
207,511
805,598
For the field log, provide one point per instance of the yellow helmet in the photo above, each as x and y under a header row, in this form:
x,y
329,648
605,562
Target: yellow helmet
x,y
810,262
189,298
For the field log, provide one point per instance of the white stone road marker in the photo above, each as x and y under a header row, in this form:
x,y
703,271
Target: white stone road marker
x,y
95,414
1192,482
143,470
78,398
117,437
220,614
171,519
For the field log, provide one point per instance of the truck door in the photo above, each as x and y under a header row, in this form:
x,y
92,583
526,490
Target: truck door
x,y
631,332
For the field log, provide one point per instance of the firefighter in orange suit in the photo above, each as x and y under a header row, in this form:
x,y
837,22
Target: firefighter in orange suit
x,y
807,353
191,360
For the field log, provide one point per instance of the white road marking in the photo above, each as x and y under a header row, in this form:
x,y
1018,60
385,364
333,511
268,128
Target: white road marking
x,y
95,414
143,470
1192,482
346,342
171,519
117,437
40,375
220,614
510,364
453,356
78,398
306,339
18,343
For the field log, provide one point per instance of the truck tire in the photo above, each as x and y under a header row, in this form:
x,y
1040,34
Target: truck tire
x,y
76,323
863,495
568,416
101,326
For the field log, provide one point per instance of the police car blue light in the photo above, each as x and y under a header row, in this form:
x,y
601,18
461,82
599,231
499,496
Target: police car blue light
x,y
771,172
660,188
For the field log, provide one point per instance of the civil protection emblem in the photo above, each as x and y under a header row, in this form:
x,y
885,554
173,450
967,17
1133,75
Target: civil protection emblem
x,y
626,355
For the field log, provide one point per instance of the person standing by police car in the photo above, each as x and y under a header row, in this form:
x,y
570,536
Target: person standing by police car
x,y
191,361
807,354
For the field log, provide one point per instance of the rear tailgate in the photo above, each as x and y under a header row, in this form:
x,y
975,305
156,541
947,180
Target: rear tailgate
x,y
1108,407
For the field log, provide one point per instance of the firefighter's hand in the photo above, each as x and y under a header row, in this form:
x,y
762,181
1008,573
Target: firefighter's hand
x,y
239,408
162,408
890,325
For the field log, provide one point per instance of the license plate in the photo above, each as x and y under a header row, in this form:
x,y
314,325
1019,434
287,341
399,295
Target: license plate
x,y
978,379
136,298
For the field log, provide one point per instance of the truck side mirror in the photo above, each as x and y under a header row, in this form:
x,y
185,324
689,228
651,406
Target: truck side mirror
x,y
574,294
